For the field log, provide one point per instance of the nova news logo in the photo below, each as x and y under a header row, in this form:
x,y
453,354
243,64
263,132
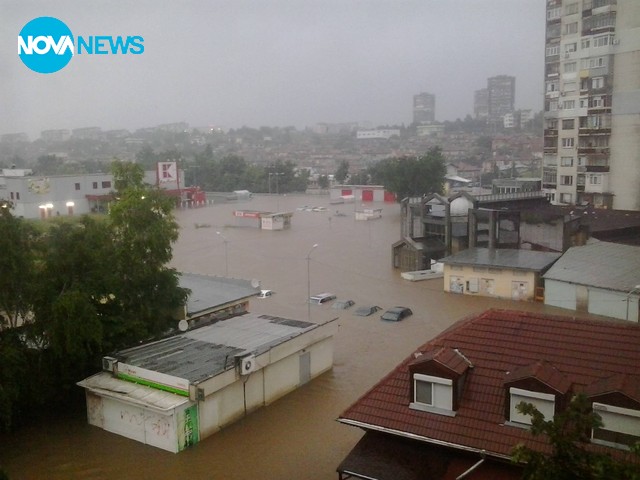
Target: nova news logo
x,y
46,45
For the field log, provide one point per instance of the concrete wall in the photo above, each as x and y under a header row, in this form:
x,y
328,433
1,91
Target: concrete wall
x,y
490,282
596,300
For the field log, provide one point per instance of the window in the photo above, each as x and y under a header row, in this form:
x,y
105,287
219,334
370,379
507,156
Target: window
x,y
568,142
544,402
597,102
569,67
571,8
570,28
568,124
585,43
95,185
77,186
553,50
570,47
570,87
595,180
565,198
597,82
552,86
11,195
584,102
554,13
566,180
621,426
17,195
432,394
593,62
566,161
569,104
106,184
602,41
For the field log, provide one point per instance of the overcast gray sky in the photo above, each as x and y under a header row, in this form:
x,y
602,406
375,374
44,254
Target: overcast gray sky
x,y
271,62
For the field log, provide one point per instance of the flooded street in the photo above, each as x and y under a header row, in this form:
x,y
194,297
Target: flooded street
x,y
297,437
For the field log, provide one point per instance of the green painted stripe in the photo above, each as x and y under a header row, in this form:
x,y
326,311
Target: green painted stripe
x,y
147,383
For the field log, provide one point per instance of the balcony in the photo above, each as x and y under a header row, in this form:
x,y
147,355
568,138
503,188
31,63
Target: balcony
x,y
593,150
596,168
551,132
588,131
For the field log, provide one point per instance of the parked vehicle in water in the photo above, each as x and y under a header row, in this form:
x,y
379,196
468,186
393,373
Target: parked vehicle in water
x,y
322,298
367,310
343,304
396,314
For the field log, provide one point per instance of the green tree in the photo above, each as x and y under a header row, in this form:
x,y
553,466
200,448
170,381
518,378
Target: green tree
x,y
143,231
323,181
568,434
342,172
411,176
17,239
126,175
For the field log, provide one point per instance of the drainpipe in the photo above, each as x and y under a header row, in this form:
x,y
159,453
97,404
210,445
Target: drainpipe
x,y
471,468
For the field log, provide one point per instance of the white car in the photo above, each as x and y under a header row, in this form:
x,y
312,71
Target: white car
x,y
322,298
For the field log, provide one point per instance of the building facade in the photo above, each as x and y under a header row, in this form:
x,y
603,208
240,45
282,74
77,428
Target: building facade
x,y
501,96
424,108
481,104
592,103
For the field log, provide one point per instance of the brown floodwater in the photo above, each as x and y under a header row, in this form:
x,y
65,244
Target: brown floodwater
x,y
297,436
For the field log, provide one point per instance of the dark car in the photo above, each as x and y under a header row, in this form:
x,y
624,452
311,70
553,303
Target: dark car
x,y
366,310
396,314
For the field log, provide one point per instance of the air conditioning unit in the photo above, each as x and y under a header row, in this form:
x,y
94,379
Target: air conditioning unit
x,y
110,364
247,364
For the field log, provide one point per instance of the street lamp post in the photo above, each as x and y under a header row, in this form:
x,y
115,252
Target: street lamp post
x,y
226,255
315,245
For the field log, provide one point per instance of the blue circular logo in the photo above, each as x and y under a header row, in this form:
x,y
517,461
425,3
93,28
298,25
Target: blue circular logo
x,y
45,45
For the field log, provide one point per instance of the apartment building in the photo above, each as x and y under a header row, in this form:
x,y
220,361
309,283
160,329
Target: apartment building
x,y
424,108
501,96
592,103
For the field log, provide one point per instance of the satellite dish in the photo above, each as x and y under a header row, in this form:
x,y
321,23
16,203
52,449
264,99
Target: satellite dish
x,y
255,283
183,325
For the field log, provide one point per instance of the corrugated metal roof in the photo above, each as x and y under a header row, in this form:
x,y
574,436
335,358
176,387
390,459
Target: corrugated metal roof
x,y
207,351
208,292
496,342
612,266
503,258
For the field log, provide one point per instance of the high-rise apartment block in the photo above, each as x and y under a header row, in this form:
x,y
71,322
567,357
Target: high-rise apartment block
x,y
501,97
481,104
424,108
592,103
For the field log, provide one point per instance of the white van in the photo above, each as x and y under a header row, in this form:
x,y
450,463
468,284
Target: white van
x,y
322,298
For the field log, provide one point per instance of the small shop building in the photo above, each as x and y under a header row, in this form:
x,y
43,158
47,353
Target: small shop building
x,y
263,220
497,272
174,392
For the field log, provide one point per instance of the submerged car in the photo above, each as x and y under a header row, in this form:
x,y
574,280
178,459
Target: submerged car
x,y
265,293
396,314
343,304
366,310
322,298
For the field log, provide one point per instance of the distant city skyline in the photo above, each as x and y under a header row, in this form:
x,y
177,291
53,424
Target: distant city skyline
x,y
274,63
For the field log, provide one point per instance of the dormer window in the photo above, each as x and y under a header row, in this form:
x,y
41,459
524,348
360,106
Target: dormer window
x,y
621,426
544,403
432,394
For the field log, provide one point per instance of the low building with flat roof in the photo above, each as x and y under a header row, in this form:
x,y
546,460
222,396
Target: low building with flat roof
x,y
174,392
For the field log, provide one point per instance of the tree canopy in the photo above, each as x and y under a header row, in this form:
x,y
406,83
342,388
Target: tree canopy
x,y
568,434
411,176
77,289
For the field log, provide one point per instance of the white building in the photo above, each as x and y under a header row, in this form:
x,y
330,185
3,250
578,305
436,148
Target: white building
x,y
175,392
601,278
592,103
385,134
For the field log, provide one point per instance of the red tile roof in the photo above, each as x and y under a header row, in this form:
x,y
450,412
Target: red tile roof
x,y
586,352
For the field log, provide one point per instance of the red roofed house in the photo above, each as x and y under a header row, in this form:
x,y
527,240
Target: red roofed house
x,y
448,411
